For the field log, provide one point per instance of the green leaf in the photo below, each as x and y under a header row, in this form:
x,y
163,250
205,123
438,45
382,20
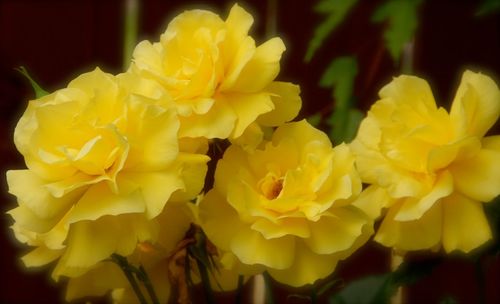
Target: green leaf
x,y
39,92
410,272
344,119
336,11
380,288
344,124
403,21
488,7
340,75
314,119
369,290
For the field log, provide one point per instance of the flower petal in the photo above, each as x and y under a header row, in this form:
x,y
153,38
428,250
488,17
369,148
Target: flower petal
x,y
476,106
247,108
465,226
307,267
99,201
274,253
414,208
336,233
96,282
479,177
287,102
262,68
155,189
41,256
424,233
216,216
30,191
219,122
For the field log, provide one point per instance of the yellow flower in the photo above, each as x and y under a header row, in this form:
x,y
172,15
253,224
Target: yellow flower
x,y
286,207
432,168
163,260
102,163
220,81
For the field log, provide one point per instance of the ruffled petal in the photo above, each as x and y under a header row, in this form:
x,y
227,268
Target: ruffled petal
x,y
287,103
247,108
274,253
338,232
41,256
414,208
215,217
465,226
99,201
262,68
479,177
152,188
424,233
410,90
372,200
96,282
219,122
282,227
476,106
307,267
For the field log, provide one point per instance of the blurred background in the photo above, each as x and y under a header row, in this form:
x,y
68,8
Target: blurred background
x,y
59,39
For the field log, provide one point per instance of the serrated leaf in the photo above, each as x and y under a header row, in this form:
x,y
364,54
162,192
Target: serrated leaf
x,y
488,7
351,129
340,75
402,19
336,11
39,92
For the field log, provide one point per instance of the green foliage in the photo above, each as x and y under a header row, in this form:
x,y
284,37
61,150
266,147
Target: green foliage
x,y
340,75
402,19
314,119
39,92
335,11
380,288
345,119
488,7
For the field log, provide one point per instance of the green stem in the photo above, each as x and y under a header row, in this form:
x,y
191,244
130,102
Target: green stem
x,y
314,295
205,280
272,13
130,29
144,278
125,267
269,290
408,58
239,290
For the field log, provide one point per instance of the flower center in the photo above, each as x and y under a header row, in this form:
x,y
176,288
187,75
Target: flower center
x,y
271,186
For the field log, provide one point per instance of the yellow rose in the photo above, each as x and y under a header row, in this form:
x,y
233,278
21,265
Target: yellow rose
x,y
162,261
432,168
220,81
286,207
102,163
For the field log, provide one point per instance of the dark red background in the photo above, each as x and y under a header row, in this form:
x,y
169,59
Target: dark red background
x,y
58,39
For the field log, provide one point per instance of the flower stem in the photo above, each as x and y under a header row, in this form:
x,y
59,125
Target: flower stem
x,y
131,17
268,289
239,290
127,270
396,260
205,280
144,278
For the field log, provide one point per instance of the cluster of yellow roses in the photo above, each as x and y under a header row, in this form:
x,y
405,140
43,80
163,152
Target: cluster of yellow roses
x,y
115,163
